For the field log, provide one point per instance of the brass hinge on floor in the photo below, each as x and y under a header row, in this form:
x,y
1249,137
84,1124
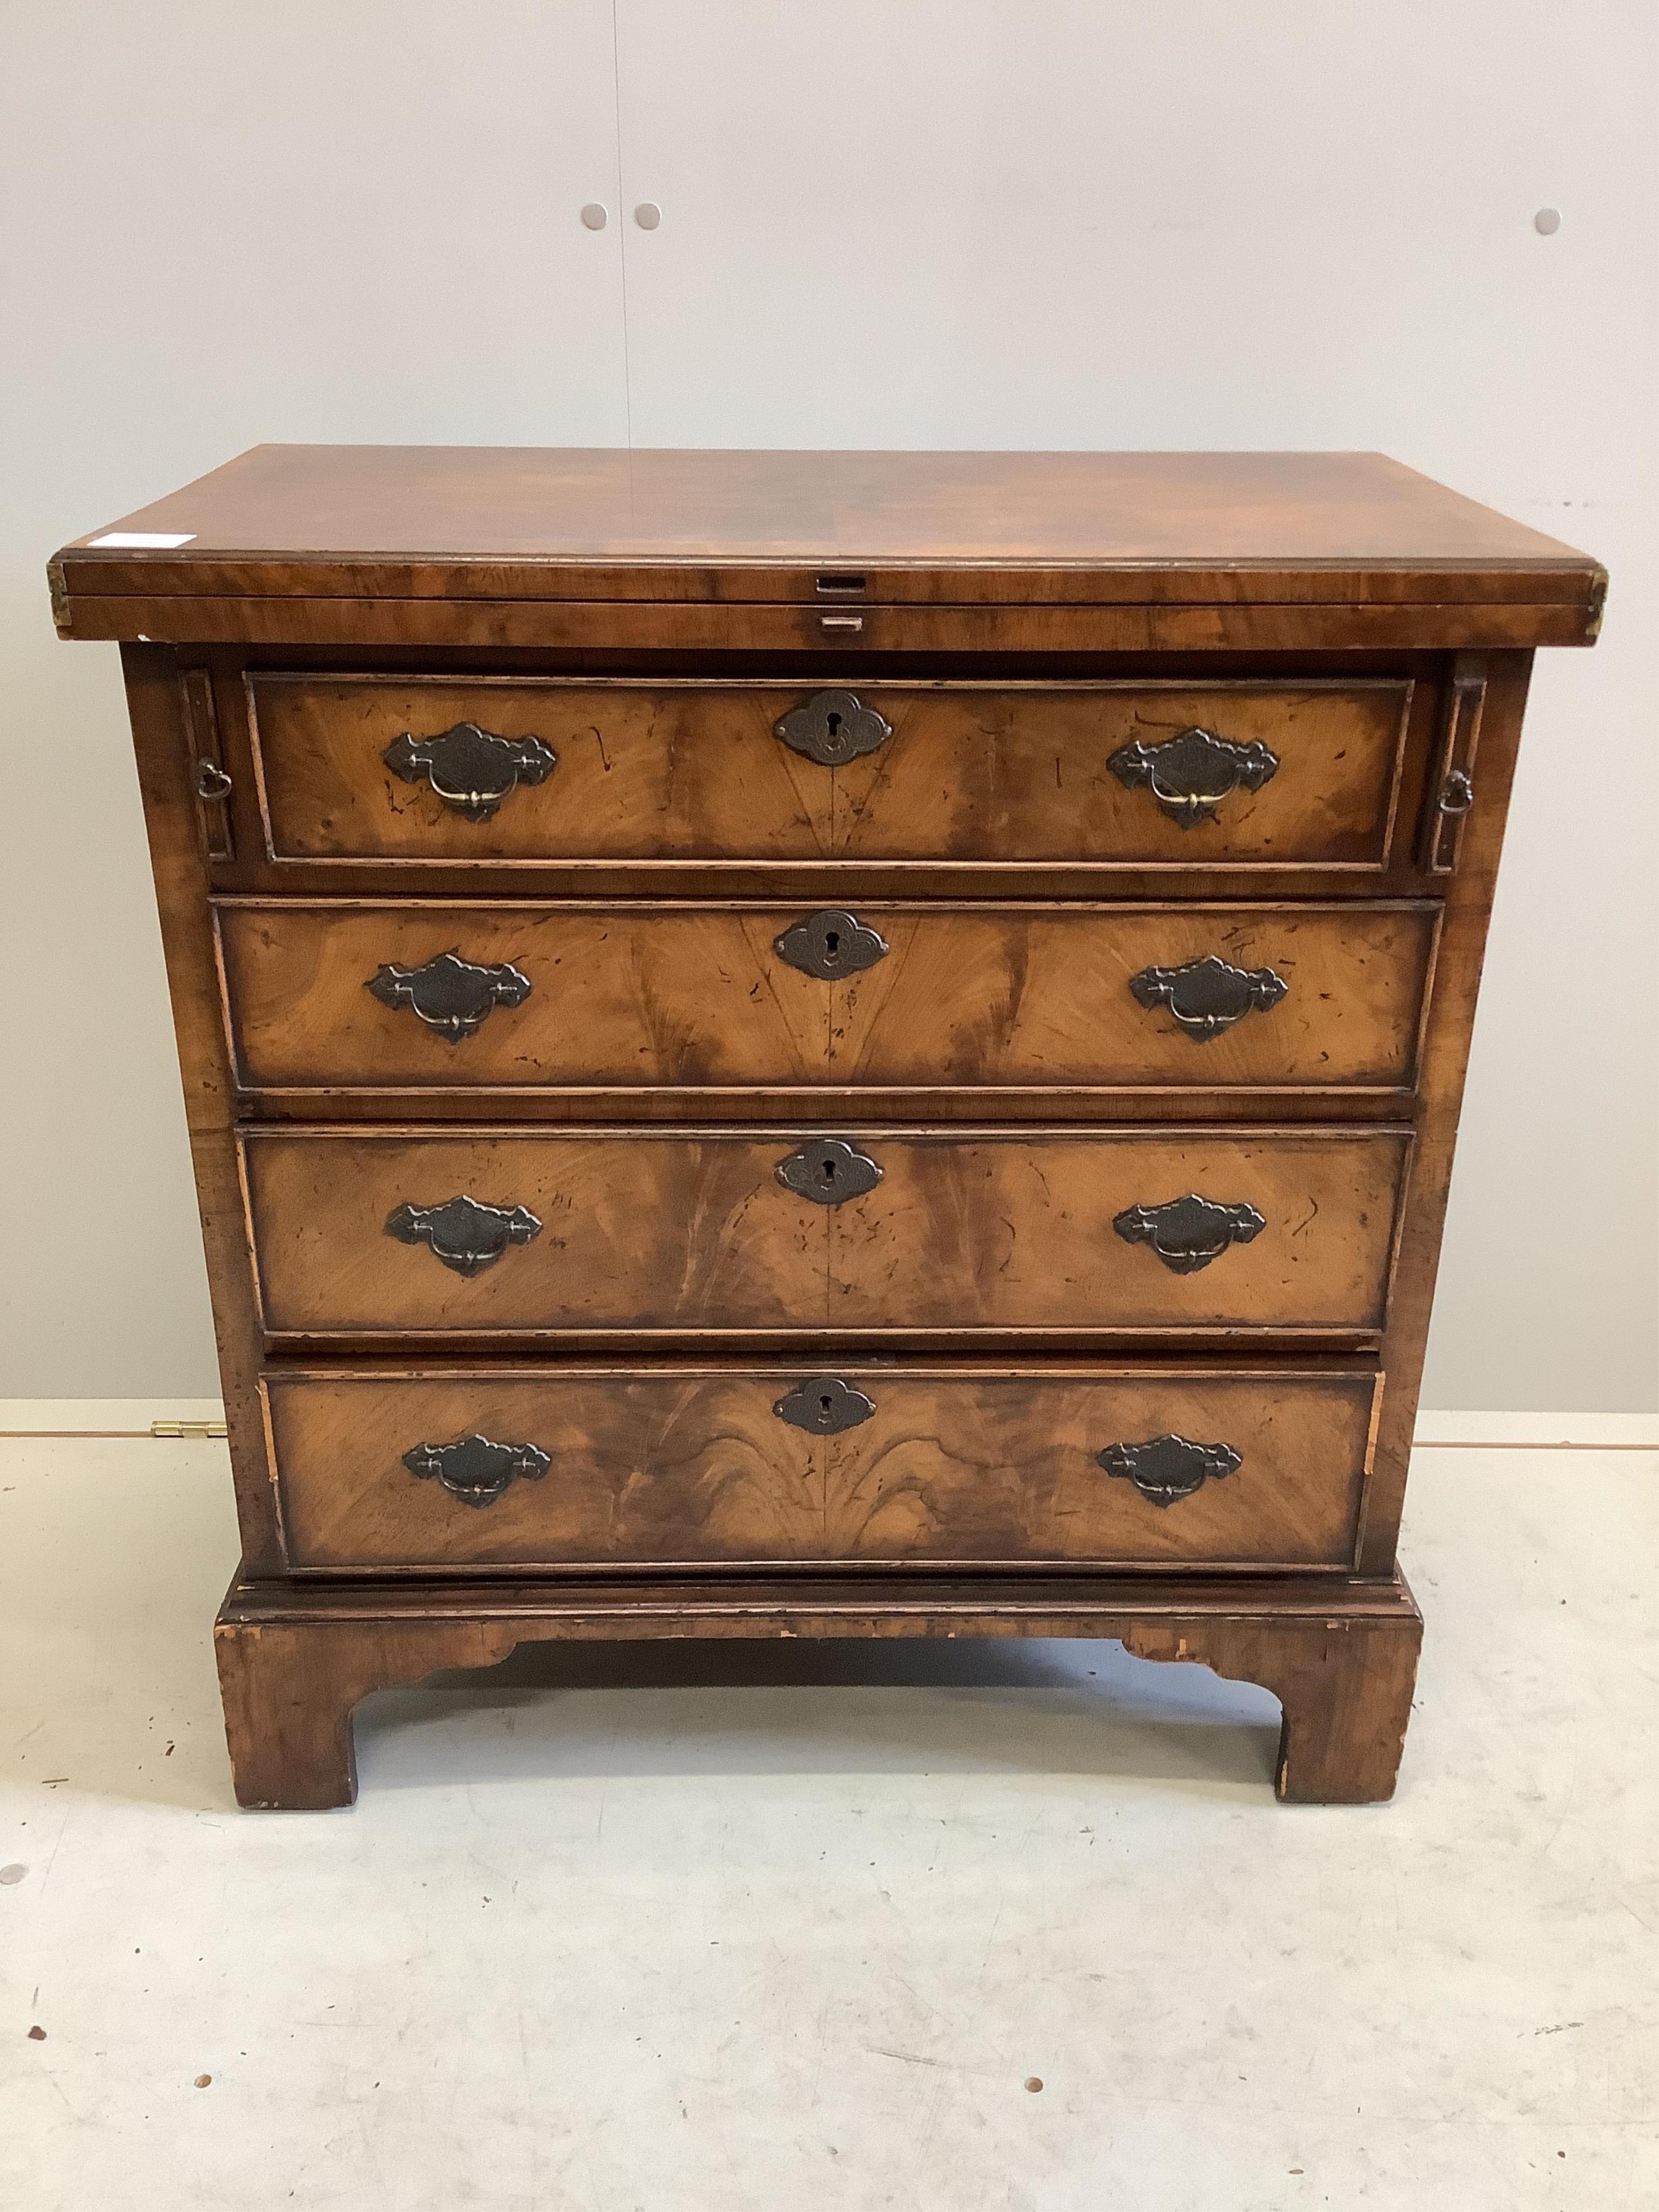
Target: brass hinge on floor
x,y
188,1429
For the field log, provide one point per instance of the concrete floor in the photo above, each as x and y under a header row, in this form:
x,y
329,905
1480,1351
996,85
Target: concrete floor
x,y
792,1926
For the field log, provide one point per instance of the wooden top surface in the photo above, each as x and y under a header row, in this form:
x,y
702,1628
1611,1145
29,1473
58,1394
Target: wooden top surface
x,y
516,524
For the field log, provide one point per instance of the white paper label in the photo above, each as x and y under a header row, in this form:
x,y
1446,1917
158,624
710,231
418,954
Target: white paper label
x,y
146,541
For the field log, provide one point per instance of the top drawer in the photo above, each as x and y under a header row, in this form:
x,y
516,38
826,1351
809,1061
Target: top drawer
x,y
443,772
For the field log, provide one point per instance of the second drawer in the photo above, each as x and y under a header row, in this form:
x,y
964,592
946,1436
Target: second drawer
x,y
551,1232
667,999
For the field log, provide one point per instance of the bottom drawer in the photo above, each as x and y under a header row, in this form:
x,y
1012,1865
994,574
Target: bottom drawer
x,y
535,1471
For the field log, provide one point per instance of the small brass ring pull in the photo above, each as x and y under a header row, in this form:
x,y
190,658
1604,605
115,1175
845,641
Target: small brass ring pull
x,y
1456,792
474,1469
211,781
1170,1469
1190,775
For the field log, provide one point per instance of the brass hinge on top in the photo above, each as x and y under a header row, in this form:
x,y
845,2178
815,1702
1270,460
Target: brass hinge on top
x,y
193,1428
61,620
1597,607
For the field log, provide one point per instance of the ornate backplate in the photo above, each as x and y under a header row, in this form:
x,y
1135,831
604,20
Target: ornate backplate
x,y
1190,775
831,944
449,994
825,1405
474,1469
1187,1233
466,1236
1170,1469
827,1171
833,727
1209,995
472,770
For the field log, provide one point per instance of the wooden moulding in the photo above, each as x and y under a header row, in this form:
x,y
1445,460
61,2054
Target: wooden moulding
x,y
292,1664
567,625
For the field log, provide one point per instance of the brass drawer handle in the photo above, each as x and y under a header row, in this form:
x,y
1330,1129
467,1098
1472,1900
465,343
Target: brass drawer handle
x,y
823,1406
1187,1233
449,994
472,770
211,781
1190,775
827,1171
1456,792
466,1236
830,945
1207,996
833,727
1170,1469
474,1469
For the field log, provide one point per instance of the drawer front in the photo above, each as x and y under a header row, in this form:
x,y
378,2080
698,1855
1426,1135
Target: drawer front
x,y
585,1468
671,996
426,771
723,1232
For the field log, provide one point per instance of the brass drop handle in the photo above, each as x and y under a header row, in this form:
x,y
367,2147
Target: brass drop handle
x,y
1169,1468
1456,792
450,994
466,1237
1190,775
471,769
474,1469
211,781
1209,995
1187,1233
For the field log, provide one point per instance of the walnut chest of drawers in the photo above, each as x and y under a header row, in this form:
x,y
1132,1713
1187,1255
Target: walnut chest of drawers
x,y
821,1044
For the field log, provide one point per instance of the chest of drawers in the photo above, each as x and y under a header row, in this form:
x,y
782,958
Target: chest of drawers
x,y
821,1044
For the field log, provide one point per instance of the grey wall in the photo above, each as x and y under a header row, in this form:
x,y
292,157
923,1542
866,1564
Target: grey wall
x,y
981,222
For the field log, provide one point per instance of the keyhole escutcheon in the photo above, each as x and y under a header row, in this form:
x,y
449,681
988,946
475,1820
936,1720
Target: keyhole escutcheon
x,y
834,727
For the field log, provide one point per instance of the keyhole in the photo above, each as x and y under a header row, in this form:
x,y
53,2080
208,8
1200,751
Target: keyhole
x,y
832,722
828,1170
824,1404
832,943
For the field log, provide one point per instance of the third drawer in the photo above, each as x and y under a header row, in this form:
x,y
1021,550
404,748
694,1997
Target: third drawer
x,y
912,1233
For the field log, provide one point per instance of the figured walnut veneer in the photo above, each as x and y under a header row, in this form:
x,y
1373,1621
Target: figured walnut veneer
x,y
821,1044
